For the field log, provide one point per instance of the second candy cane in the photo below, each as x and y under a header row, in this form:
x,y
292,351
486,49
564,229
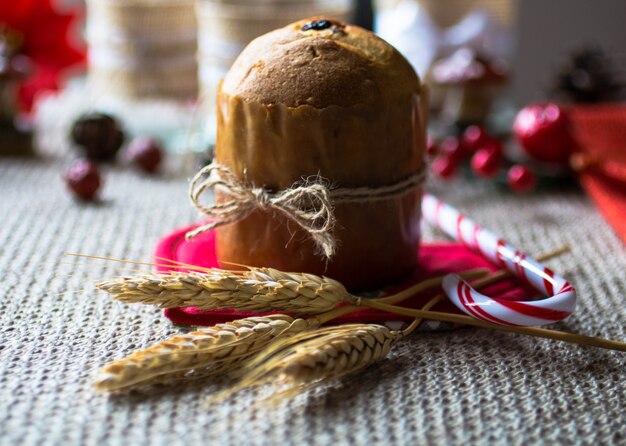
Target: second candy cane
x,y
561,295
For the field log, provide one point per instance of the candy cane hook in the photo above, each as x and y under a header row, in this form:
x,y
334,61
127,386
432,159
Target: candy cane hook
x,y
561,294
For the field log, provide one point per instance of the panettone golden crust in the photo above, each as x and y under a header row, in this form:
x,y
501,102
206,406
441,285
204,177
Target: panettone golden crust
x,y
339,103
341,65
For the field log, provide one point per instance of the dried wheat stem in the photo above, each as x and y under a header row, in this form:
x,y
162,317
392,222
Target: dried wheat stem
x,y
478,273
283,346
258,289
417,321
210,351
482,282
430,283
531,331
168,264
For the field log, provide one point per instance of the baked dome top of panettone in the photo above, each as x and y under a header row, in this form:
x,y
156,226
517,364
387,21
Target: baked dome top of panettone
x,y
320,62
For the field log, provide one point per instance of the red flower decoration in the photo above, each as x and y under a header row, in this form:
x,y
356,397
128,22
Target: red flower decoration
x,y
45,31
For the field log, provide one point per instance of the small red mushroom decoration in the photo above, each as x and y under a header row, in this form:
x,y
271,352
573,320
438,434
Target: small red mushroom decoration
x,y
471,79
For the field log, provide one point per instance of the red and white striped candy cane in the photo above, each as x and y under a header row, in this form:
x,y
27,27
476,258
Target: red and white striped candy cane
x,y
562,295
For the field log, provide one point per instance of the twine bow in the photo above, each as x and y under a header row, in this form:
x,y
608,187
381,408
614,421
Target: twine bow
x,y
308,204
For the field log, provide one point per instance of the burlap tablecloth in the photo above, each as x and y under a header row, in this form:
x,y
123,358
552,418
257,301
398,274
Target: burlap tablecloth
x,y
469,386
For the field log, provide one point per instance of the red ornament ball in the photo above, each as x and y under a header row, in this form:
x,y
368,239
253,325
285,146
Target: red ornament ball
x,y
444,166
83,179
487,161
475,138
145,153
544,132
521,179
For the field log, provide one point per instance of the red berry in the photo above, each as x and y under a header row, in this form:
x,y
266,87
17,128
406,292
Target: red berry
x,y
486,162
521,179
543,131
453,147
474,138
145,153
493,145
431,146
83,179
444,166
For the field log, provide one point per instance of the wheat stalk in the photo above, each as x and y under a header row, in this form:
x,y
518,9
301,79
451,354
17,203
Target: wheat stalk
x,y
285,348
257,289
342,351
311,358
208,351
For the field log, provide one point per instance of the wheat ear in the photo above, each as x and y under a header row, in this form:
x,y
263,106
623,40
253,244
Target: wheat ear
x,y
255,289
258,289
209,351
311,358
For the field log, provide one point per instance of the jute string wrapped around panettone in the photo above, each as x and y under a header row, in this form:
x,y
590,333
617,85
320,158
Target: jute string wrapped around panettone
x,y
309,204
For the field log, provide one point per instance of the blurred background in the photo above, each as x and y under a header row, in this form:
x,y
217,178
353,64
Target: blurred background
x,y
547,31
161,55
523,93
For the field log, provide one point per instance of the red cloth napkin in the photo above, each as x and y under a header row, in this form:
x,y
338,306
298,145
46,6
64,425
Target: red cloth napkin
x,y
435,259
601,133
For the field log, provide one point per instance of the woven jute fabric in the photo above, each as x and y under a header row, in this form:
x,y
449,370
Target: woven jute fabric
x,y
467,386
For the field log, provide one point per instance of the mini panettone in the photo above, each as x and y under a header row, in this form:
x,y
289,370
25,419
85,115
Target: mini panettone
x,y
324,100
